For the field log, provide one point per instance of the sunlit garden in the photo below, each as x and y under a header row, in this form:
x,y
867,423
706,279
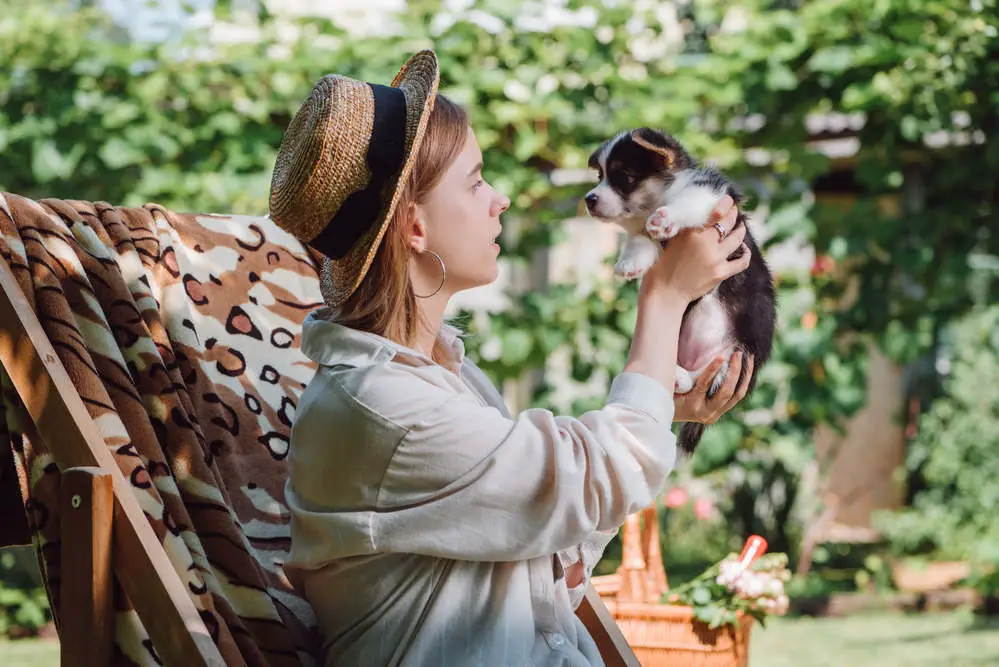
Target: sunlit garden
x,y
863,135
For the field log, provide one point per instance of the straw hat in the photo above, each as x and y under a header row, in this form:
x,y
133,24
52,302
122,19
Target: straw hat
x,y
342,162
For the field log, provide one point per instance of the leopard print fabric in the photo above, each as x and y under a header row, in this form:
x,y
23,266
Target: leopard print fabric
x,y
181,333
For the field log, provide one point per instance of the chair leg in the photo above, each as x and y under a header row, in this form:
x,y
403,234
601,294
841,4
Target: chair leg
x,y
87,606
610,641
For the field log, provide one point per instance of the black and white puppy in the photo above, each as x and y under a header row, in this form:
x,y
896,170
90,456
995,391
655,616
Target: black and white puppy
x,y
652,188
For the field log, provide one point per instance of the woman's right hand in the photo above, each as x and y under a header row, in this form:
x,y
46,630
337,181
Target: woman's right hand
x,y
696,260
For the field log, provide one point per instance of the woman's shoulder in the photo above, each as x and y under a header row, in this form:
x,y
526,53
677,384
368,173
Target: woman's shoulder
x,y
390,394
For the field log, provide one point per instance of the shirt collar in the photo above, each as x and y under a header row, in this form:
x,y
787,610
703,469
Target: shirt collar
x,y
331,344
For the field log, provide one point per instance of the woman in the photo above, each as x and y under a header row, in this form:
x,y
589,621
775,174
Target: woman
x,y
430,527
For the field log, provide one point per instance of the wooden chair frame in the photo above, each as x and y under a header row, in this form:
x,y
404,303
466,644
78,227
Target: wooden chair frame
x,y
105,534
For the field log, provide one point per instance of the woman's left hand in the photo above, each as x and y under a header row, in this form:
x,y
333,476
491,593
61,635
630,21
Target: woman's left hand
x,y
695,406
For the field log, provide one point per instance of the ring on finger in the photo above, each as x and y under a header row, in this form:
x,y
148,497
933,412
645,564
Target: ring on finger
x,y
722,233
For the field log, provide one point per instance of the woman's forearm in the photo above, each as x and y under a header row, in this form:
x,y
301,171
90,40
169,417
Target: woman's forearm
x,y
657,334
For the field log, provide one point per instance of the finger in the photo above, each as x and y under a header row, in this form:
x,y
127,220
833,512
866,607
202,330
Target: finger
x,y
728,388
726,222
721,209
731,217
738,265
733,239
708,374
744,385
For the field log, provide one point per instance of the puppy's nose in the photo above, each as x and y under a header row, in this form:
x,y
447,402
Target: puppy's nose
x,y
591,200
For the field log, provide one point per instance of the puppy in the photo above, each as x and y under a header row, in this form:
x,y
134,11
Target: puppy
x,y
652,188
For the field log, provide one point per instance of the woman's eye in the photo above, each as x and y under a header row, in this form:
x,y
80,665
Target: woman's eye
x,y
478,184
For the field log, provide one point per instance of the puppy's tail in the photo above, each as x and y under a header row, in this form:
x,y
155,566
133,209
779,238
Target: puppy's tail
x,y
690,435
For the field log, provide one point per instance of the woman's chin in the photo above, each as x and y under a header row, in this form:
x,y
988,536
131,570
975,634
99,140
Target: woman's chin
x,y
481,279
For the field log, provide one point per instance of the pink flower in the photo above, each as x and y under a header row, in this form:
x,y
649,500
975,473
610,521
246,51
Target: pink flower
x,y
703,509
676,497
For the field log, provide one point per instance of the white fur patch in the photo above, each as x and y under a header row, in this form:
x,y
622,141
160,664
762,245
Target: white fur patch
x,y
689,205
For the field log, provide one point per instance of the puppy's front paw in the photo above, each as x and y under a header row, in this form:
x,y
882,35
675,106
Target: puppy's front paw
x,y
658,225
632,267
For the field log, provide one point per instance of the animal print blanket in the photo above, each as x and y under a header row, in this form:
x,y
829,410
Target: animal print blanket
x,y
181,333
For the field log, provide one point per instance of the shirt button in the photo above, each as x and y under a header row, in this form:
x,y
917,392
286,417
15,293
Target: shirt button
x,y
557,639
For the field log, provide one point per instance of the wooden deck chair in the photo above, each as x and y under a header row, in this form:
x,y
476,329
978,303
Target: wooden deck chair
x,y
149,372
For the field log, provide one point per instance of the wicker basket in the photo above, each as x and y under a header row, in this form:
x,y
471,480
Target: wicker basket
x,y
663,635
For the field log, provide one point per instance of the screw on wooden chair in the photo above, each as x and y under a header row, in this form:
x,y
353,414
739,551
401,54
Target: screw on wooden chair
x,y
76,500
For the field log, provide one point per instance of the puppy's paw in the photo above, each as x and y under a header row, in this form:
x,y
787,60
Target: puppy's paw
x,y
684,380
632,267
658,225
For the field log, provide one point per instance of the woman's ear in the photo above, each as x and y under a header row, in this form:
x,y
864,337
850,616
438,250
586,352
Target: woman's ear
x,y
416,230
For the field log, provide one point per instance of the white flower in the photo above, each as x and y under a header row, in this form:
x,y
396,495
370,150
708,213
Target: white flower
x,y
750,585
731,570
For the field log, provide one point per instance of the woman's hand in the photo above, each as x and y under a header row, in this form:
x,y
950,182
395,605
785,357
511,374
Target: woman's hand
x,y
695,406
696,260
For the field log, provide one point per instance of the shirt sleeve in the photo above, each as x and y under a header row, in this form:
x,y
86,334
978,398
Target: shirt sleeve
x,y
588,553
467,482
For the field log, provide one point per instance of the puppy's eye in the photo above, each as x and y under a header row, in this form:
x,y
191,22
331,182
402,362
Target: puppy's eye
x,y
629,178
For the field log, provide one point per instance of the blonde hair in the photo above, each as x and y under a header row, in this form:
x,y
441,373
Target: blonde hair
x,y
385,303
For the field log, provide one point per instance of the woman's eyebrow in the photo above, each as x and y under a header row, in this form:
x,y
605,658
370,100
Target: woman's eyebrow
x,y
477,168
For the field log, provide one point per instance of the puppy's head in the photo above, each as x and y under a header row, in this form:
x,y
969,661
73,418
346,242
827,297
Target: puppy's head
x,y
634,168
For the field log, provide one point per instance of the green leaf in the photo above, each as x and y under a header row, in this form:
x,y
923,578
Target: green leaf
x,y
516,346
48,163
117,153
831,59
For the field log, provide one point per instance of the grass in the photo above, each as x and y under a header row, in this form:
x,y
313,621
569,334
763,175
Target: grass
x,y
952,639
875,640
29,653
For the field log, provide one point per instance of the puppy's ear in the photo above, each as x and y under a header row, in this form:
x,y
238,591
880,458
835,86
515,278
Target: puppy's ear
x,y
593,162
654,141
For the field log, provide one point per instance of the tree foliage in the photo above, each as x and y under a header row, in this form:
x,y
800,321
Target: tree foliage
x,y
194,125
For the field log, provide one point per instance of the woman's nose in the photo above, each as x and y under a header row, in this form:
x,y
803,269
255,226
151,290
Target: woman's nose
x,y
503,204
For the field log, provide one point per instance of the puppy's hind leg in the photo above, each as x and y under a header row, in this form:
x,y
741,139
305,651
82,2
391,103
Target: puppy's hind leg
x,y
684,380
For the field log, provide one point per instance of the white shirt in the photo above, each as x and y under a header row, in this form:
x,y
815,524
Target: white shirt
x,y
429,527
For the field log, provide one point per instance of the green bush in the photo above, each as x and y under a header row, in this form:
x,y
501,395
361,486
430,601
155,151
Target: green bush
x,y
24,605
954,460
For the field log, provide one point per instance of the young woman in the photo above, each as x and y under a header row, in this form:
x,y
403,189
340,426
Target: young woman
x,y
431,527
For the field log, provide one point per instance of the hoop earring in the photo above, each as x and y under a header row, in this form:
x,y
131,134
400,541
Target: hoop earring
x,y
443,276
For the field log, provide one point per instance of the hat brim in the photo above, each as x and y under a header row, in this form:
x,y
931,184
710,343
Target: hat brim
x,y
418,78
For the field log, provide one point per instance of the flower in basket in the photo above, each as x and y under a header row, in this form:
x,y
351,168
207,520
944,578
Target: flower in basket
x,y
749,583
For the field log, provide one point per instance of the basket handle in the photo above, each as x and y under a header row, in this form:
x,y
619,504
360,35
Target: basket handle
x,y
642,575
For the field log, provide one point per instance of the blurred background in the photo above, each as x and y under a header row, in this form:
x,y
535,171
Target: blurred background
x,y
865,135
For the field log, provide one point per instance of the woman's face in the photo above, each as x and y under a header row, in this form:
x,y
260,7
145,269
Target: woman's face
x,y
460,222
